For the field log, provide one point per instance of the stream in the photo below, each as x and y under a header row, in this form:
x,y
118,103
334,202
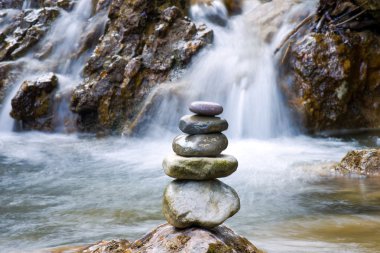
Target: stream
x,y
72,190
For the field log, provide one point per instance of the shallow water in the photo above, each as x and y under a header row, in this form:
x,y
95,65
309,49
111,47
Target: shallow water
x,y
67,190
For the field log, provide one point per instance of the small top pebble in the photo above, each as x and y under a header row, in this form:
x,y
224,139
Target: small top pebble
x,y
206,108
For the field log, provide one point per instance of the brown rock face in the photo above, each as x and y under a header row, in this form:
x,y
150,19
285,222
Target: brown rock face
x,y
145,44
167,239
24,31
337,80
33,104
361,162
334,72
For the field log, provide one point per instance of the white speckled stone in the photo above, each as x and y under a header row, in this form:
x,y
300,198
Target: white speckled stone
x,y
199,203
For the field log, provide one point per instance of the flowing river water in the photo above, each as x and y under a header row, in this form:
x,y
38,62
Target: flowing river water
x,y
58,189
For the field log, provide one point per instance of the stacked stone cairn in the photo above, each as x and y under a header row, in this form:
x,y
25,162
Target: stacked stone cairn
x,y
196,198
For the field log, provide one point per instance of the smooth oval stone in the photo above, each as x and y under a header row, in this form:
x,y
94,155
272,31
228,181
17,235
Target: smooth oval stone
x,y
206,108
200,145
199,203
194,124
199,168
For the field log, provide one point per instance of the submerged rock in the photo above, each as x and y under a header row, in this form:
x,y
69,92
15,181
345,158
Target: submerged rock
x,y
33,104
167,239
199,203
360,162
200,145
199,168
145,44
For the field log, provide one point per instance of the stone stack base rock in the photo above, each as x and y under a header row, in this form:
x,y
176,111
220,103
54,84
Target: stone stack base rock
x,y
168,239
197,198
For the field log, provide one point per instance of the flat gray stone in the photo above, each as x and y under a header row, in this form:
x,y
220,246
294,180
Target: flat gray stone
x,y
195,124
206,108
199,203
200,145
199,168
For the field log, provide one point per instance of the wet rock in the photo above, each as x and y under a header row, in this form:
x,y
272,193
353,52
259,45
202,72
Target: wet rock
x,y
101,4
24,31
64,4
270,17
233,6
11,4
330,68
193,124
333,82
372,7
360,162
200,145
167,239
145,44
206,108
199,168
33,105
9,72
39,4
199,203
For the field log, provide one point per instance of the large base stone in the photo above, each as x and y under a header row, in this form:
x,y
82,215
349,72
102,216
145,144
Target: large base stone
x,y
199,203
167,239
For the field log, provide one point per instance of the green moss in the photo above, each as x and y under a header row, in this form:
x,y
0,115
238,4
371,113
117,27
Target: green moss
x,y
218,248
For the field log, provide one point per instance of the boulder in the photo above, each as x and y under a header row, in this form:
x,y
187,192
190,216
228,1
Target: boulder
x,y
199,168
33,105
200,145
205,204
145,44
168,239
364,162
333,81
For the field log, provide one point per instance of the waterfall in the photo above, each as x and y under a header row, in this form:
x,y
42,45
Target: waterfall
x,y
66,56
27,4
239,72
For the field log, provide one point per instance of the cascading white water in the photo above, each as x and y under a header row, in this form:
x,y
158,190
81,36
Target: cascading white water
x,y
239,72
63,42
27,4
